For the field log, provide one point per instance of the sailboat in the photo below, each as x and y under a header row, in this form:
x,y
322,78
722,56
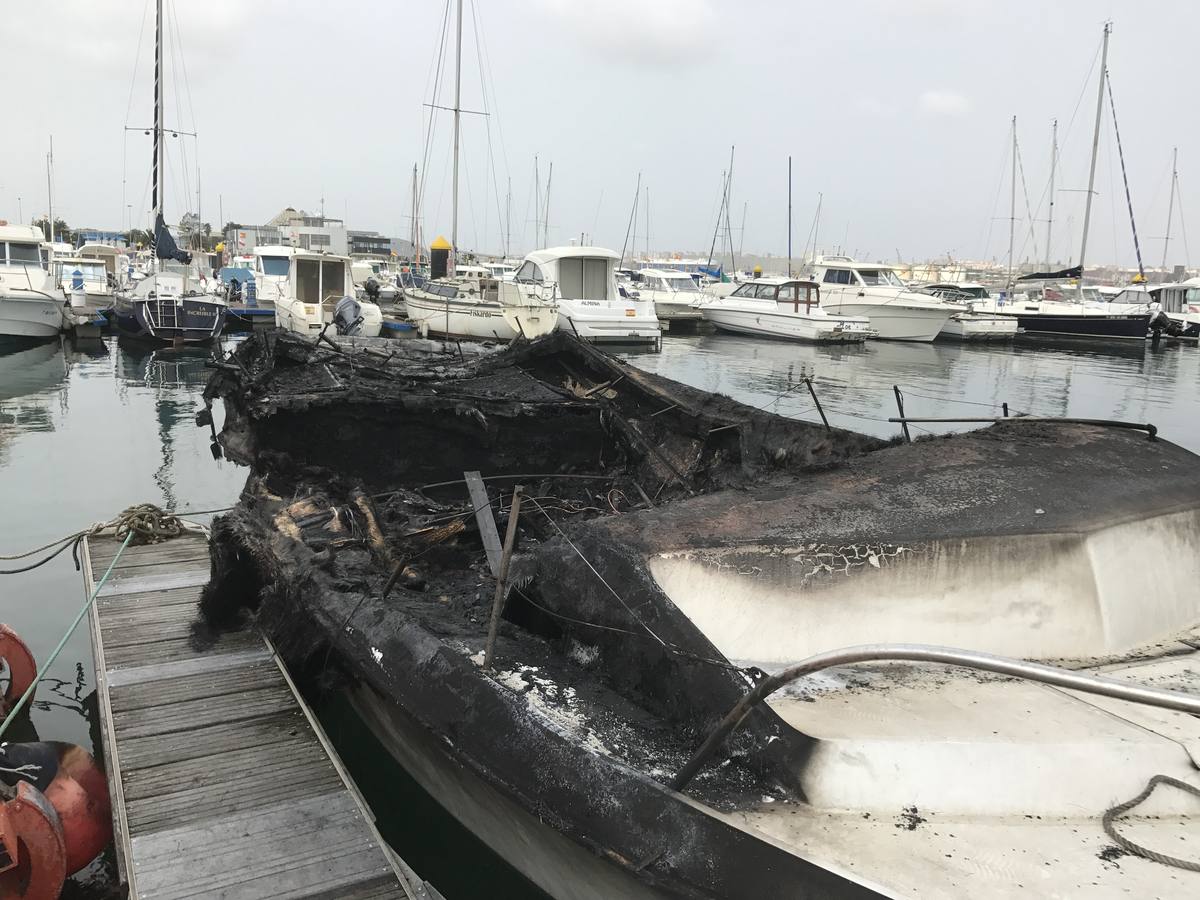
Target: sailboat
x,y
475,305
1056,313
167,306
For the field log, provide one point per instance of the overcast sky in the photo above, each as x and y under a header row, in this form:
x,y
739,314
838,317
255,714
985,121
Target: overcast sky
x,y
898,111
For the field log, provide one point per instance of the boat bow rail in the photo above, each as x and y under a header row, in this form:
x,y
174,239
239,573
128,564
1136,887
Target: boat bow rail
x,y
969,659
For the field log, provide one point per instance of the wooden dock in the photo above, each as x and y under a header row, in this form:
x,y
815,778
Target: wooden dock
x,y
222,781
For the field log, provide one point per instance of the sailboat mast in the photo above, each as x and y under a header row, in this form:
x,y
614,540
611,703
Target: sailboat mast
x,y
508,221
631,229
647,224
789,217
50,194
1087,209
546,216
1053,163
537,202
413,219
1012,204
457,120
1171,203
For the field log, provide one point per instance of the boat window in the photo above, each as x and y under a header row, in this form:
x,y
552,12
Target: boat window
x,y
684,284
333,279
765,292
787,293
1193,295
837,276
529,273
24,253
581,278
274,265
746,290
308,280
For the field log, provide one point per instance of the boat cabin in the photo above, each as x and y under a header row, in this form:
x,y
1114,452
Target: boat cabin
x,y
581,273
842,270
788,294
21,245
668,280
956,292
317,278
1180,297
81,274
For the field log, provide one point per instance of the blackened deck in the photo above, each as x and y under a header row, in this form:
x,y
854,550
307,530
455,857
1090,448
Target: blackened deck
x,y
223,784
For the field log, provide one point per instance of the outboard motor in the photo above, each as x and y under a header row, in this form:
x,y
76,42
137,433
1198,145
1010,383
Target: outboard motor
x,y
1161,323
347,316
371,289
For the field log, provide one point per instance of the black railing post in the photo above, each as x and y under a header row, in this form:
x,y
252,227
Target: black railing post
x,y
900,406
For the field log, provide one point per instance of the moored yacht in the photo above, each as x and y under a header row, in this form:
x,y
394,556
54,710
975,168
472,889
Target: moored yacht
x,y
30,304
851,288
783,308
971,325
167,306
306,288
674,294
582,281
1058,311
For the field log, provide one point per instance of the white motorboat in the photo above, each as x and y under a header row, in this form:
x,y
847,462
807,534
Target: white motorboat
x,y
783,308
306,287
479,307
851,288
85,281
30,304
582,280
971,325
674,294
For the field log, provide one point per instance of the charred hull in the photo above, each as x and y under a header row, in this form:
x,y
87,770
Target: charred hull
x,y
664,533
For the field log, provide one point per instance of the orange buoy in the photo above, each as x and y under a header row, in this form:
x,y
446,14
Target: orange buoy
x,y
22,669
33,855
79,795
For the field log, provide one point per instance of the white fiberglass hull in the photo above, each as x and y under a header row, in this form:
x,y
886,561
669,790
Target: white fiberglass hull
x,y
979,327
310,318
895,321
668,311
30,316
616,323
479,320
788,325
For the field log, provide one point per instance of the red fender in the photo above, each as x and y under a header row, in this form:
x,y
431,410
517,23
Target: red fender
x,y
22,669
79,795
33,855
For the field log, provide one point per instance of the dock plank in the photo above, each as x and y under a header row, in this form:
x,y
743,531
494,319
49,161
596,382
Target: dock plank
x,y
222,784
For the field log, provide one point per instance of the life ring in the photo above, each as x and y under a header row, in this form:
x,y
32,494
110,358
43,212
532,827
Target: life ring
x,y
68,779
22,669
33,853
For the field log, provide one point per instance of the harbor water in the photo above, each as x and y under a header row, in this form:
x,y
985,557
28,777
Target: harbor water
x,y
85,433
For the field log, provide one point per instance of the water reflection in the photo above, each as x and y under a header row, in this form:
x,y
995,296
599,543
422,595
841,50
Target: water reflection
x,y
855,383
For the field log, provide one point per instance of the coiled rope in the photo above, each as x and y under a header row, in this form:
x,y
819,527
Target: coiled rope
x,y
1124,843
145,522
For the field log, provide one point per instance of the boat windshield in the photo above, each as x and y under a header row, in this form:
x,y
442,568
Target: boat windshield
x,y
275,265
880,277
1192,295
683,285
24,253
746,290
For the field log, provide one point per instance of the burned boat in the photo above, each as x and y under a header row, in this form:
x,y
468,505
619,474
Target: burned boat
x,y
672,553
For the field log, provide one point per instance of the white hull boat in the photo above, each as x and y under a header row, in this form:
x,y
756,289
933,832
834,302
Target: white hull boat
x,y
674,294
30,306
979,327
783,308
852,288
486,310
305,289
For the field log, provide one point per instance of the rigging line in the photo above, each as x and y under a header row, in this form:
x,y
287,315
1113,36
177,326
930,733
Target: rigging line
x,y
487,110
1028,211
187,85
995,203
1083,90
1187,260
136,57
491,80
429,119
1137,247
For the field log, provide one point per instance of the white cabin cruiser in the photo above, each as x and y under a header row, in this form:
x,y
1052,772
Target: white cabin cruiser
x,y
478,307
30,304
852,288
84,281
783,308
971,325
306,295
590,305
674,294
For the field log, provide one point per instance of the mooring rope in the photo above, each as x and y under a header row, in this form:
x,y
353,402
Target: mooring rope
x,y
146,522
20,704
1120,809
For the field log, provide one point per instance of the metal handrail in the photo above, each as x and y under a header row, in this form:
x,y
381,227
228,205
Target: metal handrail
x,y
1151,431
968,659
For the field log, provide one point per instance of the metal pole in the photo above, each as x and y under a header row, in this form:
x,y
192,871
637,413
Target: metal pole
x,y
1053,163
821,411
457,117
647,223
790,242
1170,204
546,216
903,420
510,538
1012,206
1087,209
50,195
969,659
